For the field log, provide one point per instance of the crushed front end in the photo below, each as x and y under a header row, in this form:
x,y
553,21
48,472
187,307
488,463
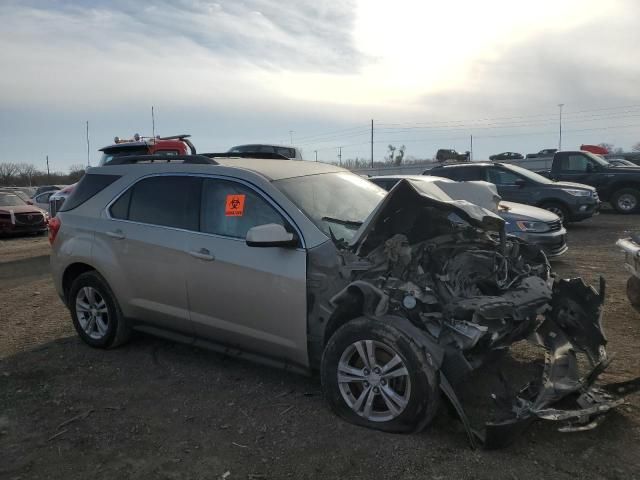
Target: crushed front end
x,y
447,267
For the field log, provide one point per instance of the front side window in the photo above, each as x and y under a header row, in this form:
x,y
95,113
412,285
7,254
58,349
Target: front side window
x,y
230,209
171,201
498,176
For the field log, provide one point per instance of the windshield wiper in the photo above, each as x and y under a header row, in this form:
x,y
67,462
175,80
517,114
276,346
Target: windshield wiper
x,y
347,223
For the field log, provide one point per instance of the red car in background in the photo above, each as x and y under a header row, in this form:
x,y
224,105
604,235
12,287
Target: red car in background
x,y
596,149
17,216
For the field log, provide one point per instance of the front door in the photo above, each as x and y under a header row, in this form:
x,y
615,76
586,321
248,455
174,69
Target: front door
x,y
253,298
511,187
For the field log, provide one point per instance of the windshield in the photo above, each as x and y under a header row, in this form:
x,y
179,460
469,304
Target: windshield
x,y
10,200
535,177
338,203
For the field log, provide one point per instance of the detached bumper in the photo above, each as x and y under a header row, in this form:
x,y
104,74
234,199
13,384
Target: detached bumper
x,y
632,255
564,393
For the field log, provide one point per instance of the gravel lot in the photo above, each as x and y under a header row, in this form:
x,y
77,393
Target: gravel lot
x,y
156,409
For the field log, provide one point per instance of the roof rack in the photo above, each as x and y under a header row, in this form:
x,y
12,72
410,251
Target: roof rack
x,y
191,159
260,155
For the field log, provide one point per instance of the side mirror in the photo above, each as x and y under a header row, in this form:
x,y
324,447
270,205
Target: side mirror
x,y
270,235
520,182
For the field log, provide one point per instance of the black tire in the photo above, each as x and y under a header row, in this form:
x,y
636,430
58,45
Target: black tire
x,y
633,292
626,200
423,394
559,209
118,330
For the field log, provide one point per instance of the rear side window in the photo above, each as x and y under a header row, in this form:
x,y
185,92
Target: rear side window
x,y
170,201
460,174
87,187
231,209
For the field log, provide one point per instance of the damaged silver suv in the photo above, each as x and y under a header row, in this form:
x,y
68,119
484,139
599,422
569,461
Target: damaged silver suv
x,y
399,300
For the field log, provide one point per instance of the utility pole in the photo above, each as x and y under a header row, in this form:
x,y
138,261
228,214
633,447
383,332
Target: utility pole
x,y
371,143
291,136
560,105
471,151
340,155
48,174
316,151
153,123
88,143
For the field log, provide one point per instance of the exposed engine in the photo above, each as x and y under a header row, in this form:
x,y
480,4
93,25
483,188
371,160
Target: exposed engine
x,y
447,267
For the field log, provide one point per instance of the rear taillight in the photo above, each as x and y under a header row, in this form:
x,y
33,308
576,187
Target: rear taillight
x,y
54,227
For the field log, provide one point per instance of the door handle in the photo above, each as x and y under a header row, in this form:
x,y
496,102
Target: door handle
x,y
202,254
117,234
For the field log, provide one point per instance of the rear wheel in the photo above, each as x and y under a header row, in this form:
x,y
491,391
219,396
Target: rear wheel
x,y
559,209
95,312
626,200
374,375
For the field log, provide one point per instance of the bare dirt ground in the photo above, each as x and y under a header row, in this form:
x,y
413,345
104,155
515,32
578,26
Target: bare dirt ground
x,y
156,409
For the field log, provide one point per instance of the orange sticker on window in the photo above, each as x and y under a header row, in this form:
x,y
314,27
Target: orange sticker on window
x,y
234,206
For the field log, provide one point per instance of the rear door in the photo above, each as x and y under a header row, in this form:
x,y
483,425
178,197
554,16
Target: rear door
x,y
147,237
247,297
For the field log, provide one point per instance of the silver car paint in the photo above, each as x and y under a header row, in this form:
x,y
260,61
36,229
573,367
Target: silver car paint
x,y
183,294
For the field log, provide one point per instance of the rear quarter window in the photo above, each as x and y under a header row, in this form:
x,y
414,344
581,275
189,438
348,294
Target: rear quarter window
x,y
86,188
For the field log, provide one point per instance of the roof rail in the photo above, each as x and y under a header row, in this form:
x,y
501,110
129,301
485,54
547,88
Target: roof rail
x,y
191,159
260,155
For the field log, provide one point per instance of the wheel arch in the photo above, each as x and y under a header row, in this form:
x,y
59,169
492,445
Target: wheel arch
x,y
72,272
355,300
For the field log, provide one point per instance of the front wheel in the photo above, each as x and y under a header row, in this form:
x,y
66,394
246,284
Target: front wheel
x,y
375,376
559,209
626,200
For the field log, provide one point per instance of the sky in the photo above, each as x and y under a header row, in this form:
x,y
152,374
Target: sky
x,y
430,74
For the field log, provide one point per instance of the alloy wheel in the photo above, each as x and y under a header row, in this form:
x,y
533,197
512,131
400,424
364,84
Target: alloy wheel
x,y
92,312
374,381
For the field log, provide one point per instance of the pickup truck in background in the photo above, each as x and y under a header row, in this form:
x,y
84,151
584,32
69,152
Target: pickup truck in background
x,y
620,186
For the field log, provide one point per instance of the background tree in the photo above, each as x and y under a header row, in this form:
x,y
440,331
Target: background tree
x,y
8,173
636,147
400,155
27,171
392,151
76,172
608,146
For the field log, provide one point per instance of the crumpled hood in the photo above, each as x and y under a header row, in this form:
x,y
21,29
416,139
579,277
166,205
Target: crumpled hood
x,y
408,197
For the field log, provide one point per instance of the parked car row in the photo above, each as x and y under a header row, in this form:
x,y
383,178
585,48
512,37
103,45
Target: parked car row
x,y
570,201
530,224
